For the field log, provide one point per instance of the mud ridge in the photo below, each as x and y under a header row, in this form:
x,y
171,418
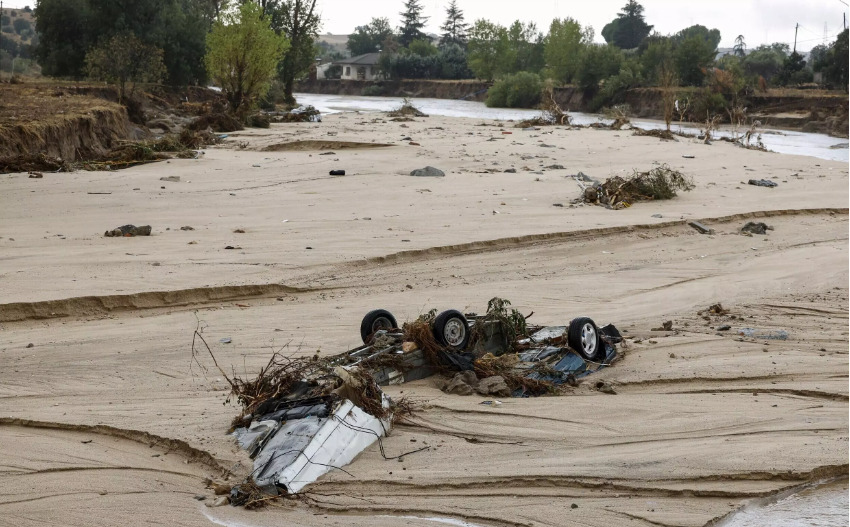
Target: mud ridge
x,y
321,145
99,305
777,391
519,241
333,508
192,454
635,488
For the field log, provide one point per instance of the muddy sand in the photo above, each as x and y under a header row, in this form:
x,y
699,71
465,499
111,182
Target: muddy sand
x,y
104,419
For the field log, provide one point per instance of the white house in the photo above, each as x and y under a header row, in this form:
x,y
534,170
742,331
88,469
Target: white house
x,y
362,67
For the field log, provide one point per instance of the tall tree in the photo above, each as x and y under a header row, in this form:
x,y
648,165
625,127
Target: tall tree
x,y
766,60
454,28
524,48
125,59
299,22
412,23
242,55
740,47
369,38
486,41
694,51
629,28
564,48
834,62
66,35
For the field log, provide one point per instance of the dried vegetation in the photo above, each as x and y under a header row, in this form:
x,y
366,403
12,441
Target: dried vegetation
x,y
618,192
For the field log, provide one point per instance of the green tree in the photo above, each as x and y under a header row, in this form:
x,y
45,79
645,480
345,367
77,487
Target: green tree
x,y
369,38
299,22
453,62
740,47
793,70
564,47
629,29
518,90
423,48
412,23
834,62
694,51
766,60
125,59
523,48
243,53
597,64
454,28
66,35
485,42
656,50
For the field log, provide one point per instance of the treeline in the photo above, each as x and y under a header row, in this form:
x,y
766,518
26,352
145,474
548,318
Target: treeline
x,y
520,57
166,40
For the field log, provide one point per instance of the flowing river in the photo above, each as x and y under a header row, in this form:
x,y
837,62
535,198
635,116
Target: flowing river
x,y
784,142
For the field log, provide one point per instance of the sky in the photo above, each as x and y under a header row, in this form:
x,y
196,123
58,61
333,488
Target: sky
x,y
760,21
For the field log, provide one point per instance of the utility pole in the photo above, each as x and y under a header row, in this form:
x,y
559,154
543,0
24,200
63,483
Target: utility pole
x,y
795,37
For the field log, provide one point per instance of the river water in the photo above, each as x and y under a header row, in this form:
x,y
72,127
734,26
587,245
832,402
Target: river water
x,y
784,142
820,506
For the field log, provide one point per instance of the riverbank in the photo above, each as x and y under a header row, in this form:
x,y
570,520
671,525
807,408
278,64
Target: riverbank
x,y
101,394
799,110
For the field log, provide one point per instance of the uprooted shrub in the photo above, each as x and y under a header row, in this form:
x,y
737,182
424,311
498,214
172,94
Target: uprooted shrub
x,y
407,109
218,122
661,182
550,111
510,323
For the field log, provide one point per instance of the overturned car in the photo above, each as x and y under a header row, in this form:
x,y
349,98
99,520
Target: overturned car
x,y
304,417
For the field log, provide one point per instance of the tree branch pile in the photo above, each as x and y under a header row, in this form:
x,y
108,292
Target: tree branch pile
x,y
618,192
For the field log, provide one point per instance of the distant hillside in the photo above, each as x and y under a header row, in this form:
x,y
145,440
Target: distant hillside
x,y
17,25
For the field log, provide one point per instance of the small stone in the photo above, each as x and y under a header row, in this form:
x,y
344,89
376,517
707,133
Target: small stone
x,y
30,345
494,385
218,502
605,387
428,171
462,383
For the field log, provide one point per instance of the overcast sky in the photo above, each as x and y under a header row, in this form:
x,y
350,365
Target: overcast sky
x,y
760,21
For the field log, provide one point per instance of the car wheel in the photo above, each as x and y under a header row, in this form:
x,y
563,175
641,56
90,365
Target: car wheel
x,y
583,337
375,320
451,329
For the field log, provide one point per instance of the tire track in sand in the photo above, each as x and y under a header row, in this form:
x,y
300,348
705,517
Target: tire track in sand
x,y
98,305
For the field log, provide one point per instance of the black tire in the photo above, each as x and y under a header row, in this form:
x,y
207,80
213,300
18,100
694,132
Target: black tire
x,y
583,337
375,320
451,330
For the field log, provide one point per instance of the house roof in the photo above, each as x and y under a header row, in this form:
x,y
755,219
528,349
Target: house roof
x,y
368,59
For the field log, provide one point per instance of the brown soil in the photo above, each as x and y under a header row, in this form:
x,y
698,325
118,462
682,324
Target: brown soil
x,y
71,127
321,145
218,122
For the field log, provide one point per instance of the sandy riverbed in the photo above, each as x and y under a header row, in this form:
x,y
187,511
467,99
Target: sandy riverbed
x,y
701,421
